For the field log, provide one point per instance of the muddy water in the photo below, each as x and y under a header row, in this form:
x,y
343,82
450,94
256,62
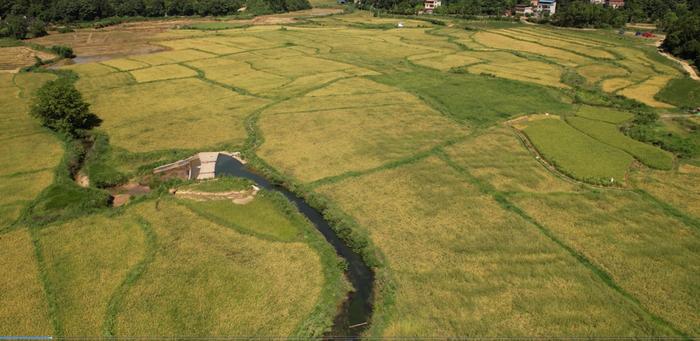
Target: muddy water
x,y
357,310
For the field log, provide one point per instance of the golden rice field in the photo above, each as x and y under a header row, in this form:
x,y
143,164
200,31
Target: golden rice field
x,y
492,195
24,308
30,152
626,235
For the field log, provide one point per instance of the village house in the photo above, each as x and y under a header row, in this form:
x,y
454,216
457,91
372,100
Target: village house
x,y
537,8
545,7
615,3
430,5
523,10
609,3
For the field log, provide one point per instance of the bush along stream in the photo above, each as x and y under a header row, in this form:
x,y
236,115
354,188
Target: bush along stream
x,y
356,312
59,107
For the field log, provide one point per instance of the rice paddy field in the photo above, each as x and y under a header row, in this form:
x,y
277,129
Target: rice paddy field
x,y
480,168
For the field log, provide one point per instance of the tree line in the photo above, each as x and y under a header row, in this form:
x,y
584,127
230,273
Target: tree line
x,y
27,18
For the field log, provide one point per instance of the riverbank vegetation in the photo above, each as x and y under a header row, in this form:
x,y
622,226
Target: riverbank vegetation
x,y
504,180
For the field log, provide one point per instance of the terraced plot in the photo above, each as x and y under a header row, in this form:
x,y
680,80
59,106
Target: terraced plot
x,y
645,91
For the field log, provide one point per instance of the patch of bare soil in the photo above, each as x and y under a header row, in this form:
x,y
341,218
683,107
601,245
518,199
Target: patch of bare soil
x,y
237,197
138,38
82,179
122,194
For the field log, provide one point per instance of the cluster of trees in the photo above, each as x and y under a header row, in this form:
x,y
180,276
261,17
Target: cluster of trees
x,y
463,8
20,27
27,18
683,32
585,14
581,13
680,19
59,106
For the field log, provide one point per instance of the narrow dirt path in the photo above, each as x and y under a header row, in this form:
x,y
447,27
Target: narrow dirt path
x,y
687,67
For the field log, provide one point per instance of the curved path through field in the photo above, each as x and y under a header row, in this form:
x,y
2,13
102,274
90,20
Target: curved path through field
x,y
687,67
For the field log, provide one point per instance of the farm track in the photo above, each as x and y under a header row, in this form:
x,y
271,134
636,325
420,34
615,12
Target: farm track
x,y
684,64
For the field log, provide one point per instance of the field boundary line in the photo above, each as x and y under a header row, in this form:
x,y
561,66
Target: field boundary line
x,y
670,209
566,120
132,276
45,283
389,165
604,276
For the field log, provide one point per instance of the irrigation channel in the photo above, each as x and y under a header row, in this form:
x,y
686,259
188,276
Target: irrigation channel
x,y
357,310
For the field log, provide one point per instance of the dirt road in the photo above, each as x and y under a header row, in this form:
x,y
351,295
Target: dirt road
x,y
687,67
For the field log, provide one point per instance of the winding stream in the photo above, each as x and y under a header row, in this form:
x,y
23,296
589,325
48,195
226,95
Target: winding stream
x,y
357,310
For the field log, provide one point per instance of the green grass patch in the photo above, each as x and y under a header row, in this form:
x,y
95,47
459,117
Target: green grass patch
x,y
478,100
269,216
577,154
683,92
222,184
604,114
101,173
611,135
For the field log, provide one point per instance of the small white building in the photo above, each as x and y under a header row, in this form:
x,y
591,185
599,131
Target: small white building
x,y
430,5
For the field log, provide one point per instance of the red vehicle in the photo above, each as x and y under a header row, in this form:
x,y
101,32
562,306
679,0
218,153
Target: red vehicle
x,y
648,35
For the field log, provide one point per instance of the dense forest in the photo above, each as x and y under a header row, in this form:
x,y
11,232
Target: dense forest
x,y
27,18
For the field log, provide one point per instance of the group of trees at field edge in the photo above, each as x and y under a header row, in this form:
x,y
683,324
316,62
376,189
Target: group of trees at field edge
x,y
27,18
683,32
581,13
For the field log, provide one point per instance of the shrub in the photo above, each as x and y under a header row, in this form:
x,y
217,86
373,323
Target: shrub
x,y
63,51
60,107
36,28
14,27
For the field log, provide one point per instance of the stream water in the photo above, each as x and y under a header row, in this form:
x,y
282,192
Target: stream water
x,y
357,310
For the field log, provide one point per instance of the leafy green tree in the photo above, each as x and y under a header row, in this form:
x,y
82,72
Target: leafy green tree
x,y
63,51
14,26
59,106
36,28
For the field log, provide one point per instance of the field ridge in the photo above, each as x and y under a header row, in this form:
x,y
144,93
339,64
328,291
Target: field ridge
x,y
605,277
115,301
